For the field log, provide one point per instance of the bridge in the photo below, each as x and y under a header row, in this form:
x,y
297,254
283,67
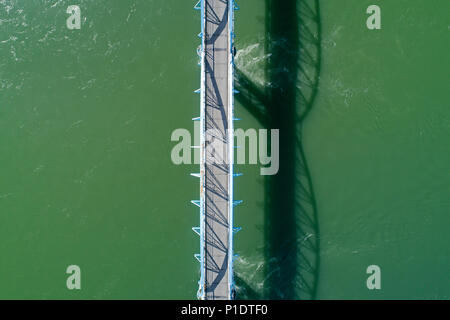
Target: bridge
x,y
216,58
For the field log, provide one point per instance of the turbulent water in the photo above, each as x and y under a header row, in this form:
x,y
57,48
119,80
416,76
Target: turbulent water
x,y
86,176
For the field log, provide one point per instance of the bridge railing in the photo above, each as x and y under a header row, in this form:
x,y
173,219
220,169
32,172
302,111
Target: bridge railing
x,y
201,202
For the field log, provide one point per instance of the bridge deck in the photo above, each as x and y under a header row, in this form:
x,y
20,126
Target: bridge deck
x,y
216,172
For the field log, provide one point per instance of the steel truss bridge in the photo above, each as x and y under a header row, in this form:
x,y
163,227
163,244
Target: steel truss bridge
x,y
216,203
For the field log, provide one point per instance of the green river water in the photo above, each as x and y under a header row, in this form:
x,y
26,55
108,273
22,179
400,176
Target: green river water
x,y
86,176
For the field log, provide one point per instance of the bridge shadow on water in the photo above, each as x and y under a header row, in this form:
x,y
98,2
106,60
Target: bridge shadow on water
x,y
291,228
